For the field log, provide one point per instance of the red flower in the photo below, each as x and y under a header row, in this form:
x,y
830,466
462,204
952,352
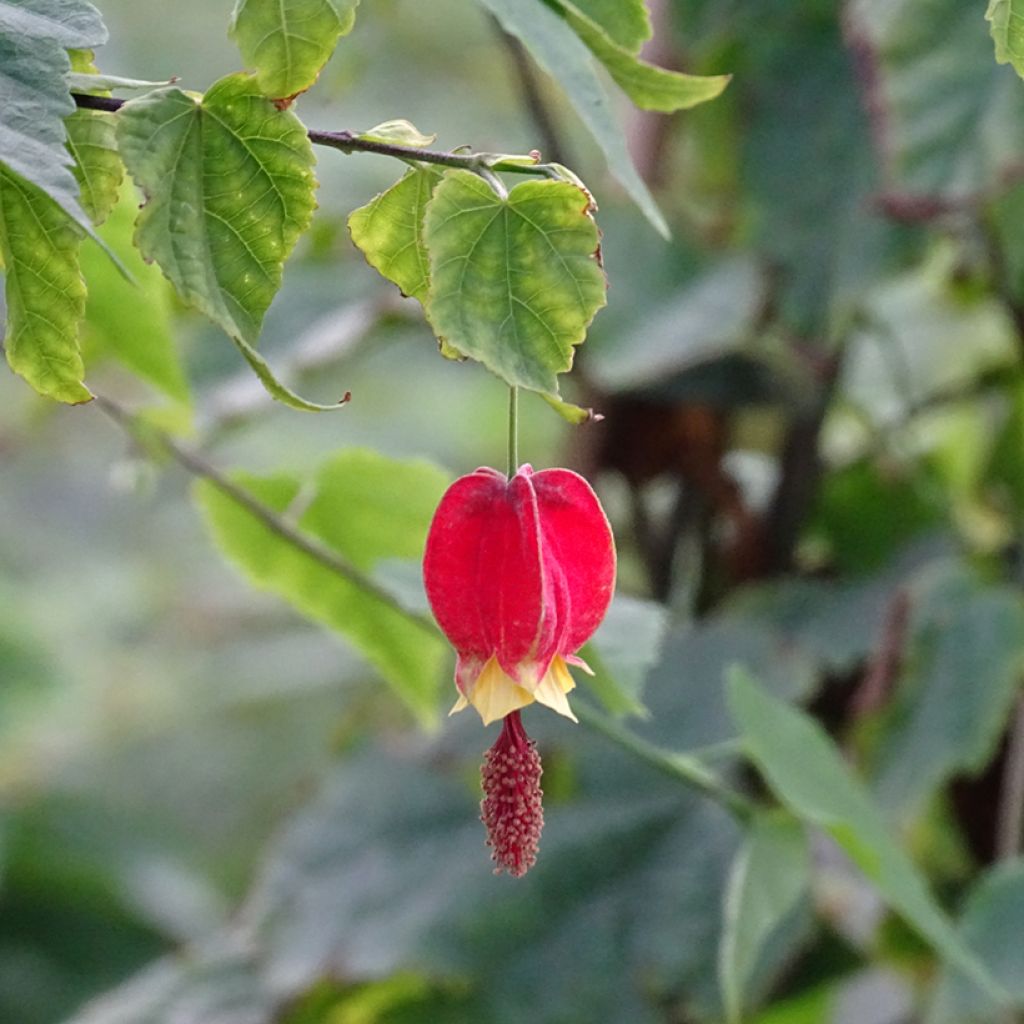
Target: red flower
x,y
519,574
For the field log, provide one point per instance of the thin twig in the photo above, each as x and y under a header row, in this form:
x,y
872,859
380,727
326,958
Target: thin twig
x,y
268,517
1010,821
352,142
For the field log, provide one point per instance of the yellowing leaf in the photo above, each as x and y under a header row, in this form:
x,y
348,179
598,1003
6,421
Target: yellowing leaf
x,y
514,281
92,144
1006,19
44,290
399,132
389,231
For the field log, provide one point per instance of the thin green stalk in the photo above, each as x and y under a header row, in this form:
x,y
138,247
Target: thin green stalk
x,y
682,767
513,431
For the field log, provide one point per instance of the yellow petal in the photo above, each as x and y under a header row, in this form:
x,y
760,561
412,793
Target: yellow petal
x,y
496,694
460,705
551,690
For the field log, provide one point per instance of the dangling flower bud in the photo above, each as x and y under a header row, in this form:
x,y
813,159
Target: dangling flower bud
x,y
519,574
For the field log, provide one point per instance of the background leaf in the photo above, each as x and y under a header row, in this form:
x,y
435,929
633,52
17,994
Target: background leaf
x,y
992,922
626,645
965,661
769,876
934,81
44,290
131,320
287,42
367,508
807,774
514,282
385,872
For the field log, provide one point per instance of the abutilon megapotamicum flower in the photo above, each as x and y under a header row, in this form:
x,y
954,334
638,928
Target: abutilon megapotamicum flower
x,y
519,573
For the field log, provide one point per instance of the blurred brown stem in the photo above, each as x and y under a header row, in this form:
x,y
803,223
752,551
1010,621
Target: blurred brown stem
x,y
1010,822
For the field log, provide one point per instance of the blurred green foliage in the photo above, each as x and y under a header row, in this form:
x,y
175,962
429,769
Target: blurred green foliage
x,y
213,809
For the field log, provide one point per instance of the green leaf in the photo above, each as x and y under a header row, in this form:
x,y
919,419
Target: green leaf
x,y
287,42
389,231
131,320
822,234
769,876
564,56
398,132
649,87
367,508
93,147
702,320
622,651
951,123
962,631
1006,18
515,281
625,21
386,872
992,923
34,38
691,712
229,186
807,773
44,290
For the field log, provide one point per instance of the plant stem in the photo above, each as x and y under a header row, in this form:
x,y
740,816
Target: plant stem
x,y
350,142
513,431
682,767
268,517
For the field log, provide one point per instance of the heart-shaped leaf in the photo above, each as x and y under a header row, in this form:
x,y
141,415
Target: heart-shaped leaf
x,y
515,281
44,290
230,187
